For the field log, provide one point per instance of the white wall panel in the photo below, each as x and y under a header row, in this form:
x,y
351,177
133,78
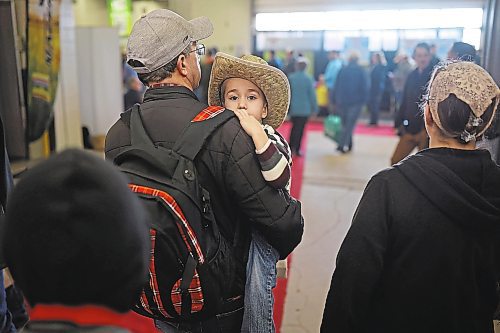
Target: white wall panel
x,y
67,107
264,6
100,78
295,40
232,20
91,13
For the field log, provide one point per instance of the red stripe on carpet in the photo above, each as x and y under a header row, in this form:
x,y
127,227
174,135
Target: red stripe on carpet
x,y
297,173
310,126
361,128
380,130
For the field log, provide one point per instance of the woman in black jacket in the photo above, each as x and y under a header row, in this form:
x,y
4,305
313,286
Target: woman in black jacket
x,y
423,251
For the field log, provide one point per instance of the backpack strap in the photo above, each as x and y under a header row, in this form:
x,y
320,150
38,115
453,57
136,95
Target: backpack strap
x,y
142,147
138,135
187,277
194,136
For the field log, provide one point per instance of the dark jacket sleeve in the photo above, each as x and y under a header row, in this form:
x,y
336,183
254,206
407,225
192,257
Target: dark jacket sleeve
x,y
6,325
15,304
359,263
498,155
274,213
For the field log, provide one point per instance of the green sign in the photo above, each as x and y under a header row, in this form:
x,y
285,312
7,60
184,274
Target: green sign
x,y
120,15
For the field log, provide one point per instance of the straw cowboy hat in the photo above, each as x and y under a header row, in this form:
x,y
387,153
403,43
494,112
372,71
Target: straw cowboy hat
x,y
273,83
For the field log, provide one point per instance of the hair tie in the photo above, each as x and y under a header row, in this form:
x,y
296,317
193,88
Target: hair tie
x,y
466,136
475,121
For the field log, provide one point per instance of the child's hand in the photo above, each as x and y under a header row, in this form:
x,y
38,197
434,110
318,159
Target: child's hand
x,y
252,127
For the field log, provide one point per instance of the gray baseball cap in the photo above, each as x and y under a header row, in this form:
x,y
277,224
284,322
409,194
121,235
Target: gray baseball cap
x,y
160,36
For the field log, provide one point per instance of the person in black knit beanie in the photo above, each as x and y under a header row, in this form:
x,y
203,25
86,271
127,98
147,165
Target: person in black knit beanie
x,y
75,236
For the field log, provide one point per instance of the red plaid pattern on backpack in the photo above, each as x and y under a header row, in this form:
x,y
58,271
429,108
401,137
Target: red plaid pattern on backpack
x,y
195,292
208,113
153,282
170,201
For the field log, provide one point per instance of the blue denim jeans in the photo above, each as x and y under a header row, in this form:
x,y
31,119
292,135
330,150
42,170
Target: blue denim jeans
x,y
349,117
374,107
261,279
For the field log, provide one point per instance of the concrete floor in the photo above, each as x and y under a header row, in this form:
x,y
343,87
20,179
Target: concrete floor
x,y
332,187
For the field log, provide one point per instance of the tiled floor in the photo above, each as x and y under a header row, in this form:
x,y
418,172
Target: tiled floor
x,y
332,187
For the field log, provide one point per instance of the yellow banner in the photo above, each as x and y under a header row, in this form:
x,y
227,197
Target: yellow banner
x,y
43,63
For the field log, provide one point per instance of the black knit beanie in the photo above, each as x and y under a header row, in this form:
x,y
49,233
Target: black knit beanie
x,y
75,234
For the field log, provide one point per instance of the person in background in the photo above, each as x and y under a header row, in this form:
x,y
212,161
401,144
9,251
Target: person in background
x,y
378,76
289,66
62,251
129,81
434,58
491,140
322,96
331,72
274,60
463,51
135,92
351,93
409,121
86,138
15,301
399,76
423,251
6,183
302,103
206,69
6,320
127,71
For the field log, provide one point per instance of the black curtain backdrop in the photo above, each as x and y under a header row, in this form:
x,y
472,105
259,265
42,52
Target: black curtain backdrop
x,y
11,108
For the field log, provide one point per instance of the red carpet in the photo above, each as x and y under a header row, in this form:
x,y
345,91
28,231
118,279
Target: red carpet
x,y
380,130
361,128
297,173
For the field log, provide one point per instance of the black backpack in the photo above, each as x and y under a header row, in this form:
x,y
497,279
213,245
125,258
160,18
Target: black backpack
x,y
191,263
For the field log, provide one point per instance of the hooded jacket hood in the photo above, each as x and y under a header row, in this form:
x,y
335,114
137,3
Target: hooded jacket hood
x,y
463,185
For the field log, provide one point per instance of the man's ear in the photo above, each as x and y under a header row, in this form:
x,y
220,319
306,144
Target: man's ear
x,y
181,65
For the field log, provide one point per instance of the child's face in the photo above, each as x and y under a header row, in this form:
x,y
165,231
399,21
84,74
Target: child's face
x,y
243,94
